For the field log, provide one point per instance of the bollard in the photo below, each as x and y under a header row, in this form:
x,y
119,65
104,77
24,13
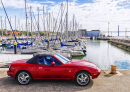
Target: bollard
x,y
15,47
48,44
82,41
113,69
93,38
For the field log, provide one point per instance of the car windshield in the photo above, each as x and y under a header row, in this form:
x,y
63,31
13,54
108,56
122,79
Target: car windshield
x,y
63,59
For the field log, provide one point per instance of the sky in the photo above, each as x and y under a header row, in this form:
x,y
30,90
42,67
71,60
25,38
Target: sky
x,y
90,14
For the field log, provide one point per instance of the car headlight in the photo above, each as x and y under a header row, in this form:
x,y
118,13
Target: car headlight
x,y
98,69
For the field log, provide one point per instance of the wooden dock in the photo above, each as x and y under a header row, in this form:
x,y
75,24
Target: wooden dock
x,y
123,43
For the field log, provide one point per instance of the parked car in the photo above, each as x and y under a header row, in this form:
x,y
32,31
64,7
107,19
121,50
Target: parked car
x,y
53,66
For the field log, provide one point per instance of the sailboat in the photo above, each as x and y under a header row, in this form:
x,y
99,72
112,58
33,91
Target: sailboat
x,y
71,46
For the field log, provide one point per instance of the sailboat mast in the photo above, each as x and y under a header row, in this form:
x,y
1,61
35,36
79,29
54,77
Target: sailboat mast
x,y
10,27
70,34
19,28
61,18
22,29
52,21
75,28
31,20
26,19
38,21
28,27
43,20
5,28
49,24
2,27
67,21
15,23
73,25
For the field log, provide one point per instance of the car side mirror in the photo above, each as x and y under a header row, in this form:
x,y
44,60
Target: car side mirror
x,y
53,63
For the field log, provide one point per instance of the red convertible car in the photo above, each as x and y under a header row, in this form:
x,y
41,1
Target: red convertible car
x,y
53,66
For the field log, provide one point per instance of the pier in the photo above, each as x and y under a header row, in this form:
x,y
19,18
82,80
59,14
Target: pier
x,y
123,43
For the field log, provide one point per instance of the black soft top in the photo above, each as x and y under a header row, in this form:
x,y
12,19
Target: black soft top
x,y
34,60
45,53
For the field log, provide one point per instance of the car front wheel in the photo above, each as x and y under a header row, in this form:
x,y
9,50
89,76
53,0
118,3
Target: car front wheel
x,y
24,77
82,78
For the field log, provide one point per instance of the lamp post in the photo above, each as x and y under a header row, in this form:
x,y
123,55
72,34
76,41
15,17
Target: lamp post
x,y
108,28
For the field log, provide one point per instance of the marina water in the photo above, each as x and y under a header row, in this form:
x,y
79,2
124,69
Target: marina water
x,y
104,54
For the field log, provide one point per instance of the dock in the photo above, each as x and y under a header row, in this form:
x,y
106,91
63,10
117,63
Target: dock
x,y
123,43
103,38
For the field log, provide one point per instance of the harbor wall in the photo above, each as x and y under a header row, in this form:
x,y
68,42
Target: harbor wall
x,y
123,43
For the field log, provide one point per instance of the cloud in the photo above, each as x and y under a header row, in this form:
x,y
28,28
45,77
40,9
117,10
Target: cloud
x,y
91,15
48,2
13,3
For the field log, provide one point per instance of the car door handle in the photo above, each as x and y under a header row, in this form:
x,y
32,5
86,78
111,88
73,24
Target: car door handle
x,y
47,69
40,67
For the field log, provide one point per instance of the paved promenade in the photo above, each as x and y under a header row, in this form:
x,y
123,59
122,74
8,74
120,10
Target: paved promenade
x,y
104,83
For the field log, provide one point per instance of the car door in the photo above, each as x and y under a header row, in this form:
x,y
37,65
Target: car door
x,y
46,70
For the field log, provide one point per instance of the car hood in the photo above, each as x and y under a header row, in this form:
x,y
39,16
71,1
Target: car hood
x,y
77,62
20,62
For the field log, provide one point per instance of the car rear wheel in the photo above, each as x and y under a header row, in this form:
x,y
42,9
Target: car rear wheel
x,y
82,78
24,77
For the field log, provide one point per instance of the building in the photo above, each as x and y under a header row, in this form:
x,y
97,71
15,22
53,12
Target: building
x,y
82,33
93,33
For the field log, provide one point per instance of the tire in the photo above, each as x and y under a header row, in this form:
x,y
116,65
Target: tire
x,y
82,78
24,77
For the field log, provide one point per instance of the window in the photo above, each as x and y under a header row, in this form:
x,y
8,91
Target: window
x,y
41,60
62,58
56,61
47,60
